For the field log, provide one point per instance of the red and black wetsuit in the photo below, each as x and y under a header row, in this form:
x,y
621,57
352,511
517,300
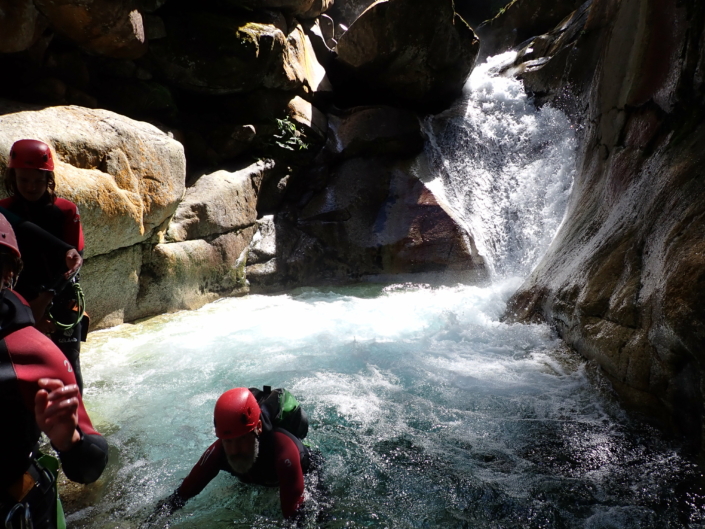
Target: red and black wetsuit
x,y
26,355
42,269
282,462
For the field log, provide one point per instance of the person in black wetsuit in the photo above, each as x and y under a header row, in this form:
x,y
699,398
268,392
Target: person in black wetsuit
x,y
30,183
38,393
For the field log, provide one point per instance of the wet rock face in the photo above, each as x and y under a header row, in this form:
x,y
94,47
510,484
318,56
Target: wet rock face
x,y
624,279
518,21
413,53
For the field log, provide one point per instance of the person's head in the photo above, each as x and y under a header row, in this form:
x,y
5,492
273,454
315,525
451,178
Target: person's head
x,y
10,260
238,426
30,170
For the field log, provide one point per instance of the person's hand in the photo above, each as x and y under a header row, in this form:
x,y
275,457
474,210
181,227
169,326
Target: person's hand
x,y
56,412
163,510
73,262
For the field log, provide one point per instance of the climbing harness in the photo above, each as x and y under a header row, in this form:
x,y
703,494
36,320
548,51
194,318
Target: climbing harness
x,y
33,485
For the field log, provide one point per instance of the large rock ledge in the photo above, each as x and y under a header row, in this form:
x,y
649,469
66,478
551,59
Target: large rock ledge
x,y
152,246
624,279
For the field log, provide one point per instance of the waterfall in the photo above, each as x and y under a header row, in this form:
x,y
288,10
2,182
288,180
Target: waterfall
x,y
428,410
505,166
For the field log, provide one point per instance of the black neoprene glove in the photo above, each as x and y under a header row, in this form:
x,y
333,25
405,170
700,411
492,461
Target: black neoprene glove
x,y
164,508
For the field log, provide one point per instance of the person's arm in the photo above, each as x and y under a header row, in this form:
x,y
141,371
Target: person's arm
x,y
43,373
203,472
73,233
290,474
52,245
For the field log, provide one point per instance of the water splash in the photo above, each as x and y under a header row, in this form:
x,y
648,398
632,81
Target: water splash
x,y
506,167
429,411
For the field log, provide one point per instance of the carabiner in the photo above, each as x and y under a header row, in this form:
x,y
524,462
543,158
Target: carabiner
x,y
11,515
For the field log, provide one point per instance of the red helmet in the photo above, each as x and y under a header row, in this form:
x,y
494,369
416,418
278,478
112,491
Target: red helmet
x,y
7,236
32,154
236,413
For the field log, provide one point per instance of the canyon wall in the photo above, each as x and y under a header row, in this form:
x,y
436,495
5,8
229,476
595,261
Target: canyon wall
x,y
624,278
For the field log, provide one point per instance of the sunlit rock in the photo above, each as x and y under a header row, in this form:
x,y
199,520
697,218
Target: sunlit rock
x,y
111,283
126,176
187,275
217,203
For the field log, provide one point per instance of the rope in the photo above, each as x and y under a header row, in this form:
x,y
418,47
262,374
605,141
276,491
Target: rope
x,y
80,302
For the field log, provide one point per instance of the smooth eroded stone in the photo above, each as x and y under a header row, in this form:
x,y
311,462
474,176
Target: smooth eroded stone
x,y
187,275
218,203
405,51
125,176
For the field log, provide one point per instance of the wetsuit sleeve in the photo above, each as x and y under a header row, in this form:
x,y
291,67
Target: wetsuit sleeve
x,y
29,231
203,472
290,474
34,356
87,459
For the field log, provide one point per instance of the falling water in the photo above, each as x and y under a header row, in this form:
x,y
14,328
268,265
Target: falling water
x,y
505,166
428,411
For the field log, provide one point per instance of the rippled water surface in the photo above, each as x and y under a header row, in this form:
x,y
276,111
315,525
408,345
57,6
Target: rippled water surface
x,y
428,410
429,413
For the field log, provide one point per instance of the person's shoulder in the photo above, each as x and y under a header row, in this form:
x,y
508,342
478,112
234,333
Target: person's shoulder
x,y
7,202
65,205
35,356
283,438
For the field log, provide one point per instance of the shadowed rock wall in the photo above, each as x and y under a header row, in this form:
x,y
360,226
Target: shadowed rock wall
x,y
624,279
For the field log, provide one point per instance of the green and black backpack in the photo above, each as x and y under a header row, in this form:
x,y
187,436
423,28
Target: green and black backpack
x,y
283,409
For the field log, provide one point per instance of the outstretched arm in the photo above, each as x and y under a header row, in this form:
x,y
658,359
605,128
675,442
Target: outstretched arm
x,y
201,474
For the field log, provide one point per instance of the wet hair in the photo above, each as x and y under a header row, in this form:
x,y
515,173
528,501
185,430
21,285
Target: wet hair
x,y
9,261
11,183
